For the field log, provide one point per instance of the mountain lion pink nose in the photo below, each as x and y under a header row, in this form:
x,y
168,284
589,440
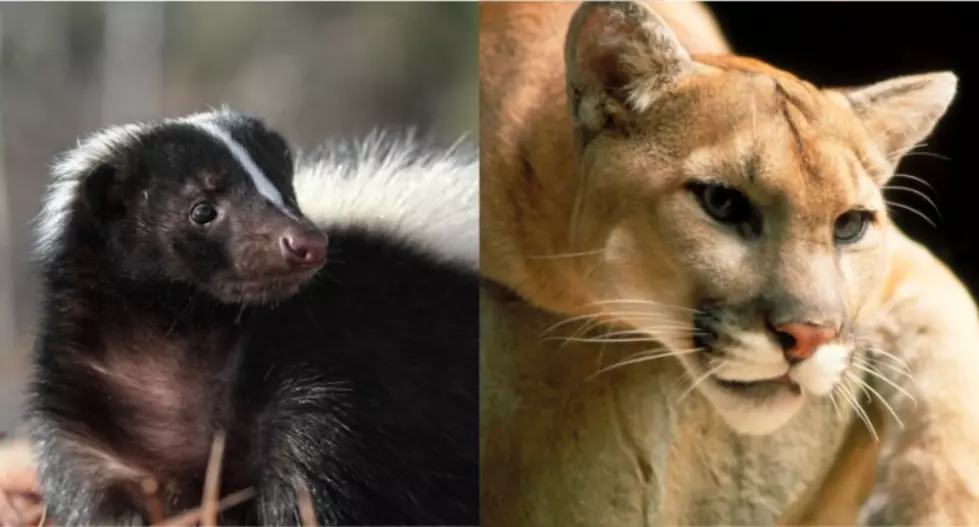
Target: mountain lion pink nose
x,y
304,249
800,340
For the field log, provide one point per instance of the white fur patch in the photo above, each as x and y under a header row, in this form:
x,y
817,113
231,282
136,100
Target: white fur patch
x,y
756,359
427,199
67,178
821,372
753,359
750,371
749,418
265,186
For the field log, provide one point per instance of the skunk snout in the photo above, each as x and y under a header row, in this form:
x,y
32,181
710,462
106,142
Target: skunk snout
x,y
304,249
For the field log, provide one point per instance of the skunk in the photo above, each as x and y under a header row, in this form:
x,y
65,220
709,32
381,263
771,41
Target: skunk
x,y
320,313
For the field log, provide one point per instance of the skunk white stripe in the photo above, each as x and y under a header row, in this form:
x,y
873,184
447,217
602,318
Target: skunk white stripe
x,y
393,186
262,183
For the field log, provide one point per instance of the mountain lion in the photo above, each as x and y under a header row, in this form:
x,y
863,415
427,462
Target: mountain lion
x,y
697,310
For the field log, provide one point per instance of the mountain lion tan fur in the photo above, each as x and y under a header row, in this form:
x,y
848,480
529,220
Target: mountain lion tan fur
x,y
697,309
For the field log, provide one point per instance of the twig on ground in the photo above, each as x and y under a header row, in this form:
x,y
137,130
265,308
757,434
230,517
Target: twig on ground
x,y
21,503
154,509
307,514
191,517
43,515
212,483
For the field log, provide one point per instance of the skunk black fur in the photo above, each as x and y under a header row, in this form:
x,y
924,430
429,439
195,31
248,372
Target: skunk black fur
x,y
358,380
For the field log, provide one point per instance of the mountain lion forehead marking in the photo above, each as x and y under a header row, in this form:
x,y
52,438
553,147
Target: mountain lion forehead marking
x,y
262,183
775,133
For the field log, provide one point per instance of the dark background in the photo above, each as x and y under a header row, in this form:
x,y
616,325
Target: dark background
x,y
853,43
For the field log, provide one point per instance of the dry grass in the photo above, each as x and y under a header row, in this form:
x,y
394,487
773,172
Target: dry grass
x,y
21,503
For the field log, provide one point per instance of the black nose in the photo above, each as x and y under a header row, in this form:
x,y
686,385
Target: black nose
x,y
304,250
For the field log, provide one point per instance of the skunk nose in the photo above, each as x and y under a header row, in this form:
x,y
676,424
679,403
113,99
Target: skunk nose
x,y
304,250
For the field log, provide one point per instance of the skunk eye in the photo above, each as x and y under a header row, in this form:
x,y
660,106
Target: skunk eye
x,y
850,226
203,213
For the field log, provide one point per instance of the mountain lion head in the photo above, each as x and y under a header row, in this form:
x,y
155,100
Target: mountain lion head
x,y
738,209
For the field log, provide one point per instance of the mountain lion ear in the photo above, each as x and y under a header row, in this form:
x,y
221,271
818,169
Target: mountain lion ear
x,y
901,112
619,57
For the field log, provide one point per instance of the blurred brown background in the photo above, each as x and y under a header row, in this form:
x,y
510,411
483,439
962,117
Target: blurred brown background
x,y
313,70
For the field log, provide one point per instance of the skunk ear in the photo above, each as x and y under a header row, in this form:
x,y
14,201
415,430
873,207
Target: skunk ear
x,y
619,58
93,173
901,112
101,193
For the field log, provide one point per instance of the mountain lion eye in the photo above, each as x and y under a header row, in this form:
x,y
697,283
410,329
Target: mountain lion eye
x,y
203,213
722,203
850,226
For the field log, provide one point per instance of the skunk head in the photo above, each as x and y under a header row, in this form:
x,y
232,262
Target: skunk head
x,y
205,200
